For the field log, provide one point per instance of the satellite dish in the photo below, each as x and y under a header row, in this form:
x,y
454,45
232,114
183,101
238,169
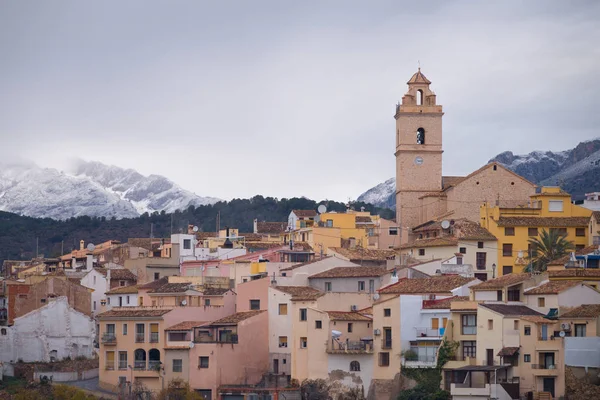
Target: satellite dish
x,y
376,296
336,334
562,334
445,224
184,302
195,229
191,345
322,209
91,247
202,269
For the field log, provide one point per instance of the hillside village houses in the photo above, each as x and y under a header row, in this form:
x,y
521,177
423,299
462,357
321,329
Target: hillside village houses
x,y
347,297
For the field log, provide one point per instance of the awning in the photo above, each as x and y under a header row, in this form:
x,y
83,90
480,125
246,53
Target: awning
x,y
508,351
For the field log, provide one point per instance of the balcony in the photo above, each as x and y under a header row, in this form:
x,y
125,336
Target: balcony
x,y
423,332
154,337
353,347
109,339
109,367
122,365
153,365
139,365
420,361
544,370
386,343
140,337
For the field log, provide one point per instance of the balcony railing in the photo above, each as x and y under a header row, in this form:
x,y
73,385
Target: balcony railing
x,y
109,367
154,337
543,366
429,332
139,365
122,365
356,346
109,338
153,364
386,343
139,337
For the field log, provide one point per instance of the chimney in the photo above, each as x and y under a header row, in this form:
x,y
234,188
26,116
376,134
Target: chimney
x,y
81,245
255,225
228,244
190,229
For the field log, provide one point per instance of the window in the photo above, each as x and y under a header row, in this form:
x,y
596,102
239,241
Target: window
x,y
481,260
122,283
384,359
541,302
122,360
94,280
282,309
94,305
459,260
156,276
393,231
108,300
514,294
421,252
507,250
349,327
110,360
177,365
509,231
490,324
579,231
3,331
318,324
303,314
124,329
127,299
361,286
435,323
507,269
187,244
354,366
532,231
303,343
498,295
387,312
178,337
462,250
139,333
527,330
480,245
282,341
202,362
328,286
580,330
329,223
420,131
555,205
255,304
469,348
469,324
527,357
516,324
371,286
207,302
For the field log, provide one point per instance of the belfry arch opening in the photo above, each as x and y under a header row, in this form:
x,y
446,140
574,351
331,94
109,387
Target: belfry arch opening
x,y
419,97
420,136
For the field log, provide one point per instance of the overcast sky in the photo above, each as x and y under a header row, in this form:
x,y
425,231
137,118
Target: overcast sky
x,y
281,98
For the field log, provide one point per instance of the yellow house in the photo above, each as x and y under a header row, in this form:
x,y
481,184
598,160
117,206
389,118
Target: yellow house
x,y
550,208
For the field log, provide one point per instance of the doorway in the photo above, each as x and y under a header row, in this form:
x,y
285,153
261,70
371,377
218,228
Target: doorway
x,y
490,356
276,366
549,385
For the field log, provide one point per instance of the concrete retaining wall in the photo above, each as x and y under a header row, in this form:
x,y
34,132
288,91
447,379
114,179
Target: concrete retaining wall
x,y
67,376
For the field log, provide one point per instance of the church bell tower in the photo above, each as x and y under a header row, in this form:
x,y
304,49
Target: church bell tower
x,y
418,152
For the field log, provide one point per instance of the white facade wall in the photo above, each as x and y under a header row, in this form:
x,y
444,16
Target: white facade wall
x,y
279,325
341,362
99,284
486,295
127,300
464,289
578,295
412,316
53,330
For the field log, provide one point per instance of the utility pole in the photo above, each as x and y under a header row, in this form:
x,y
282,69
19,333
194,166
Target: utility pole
x,y
37,251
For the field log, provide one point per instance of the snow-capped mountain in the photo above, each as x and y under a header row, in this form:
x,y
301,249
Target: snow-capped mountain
x,y
576,170
382,195
90,188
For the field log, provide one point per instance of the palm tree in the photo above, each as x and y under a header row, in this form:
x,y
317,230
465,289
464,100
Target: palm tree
x,y
548,247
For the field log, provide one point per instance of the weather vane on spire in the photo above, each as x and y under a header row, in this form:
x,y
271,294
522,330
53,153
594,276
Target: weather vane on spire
x,y
419,64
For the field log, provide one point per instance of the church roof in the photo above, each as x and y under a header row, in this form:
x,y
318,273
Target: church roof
x,y
418,77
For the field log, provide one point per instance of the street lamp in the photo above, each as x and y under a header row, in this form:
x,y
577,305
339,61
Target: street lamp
x,y
494,270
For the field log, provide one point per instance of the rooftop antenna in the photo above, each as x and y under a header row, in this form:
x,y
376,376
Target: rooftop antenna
x,y
322,209
91,247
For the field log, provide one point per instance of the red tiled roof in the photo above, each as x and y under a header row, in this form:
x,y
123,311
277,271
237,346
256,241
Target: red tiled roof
x,y
502,281
583,311
443,304
552,287
173,288
271,227
122,274
351,272
543,222
136,313
300,293
213,291
360,253
575,273
131,289
596,216
511,310
305,213
155,284
462,229
565,259
304,263
431,242
448,181
435,284
347,316
236,318
185,325
418,77
508,351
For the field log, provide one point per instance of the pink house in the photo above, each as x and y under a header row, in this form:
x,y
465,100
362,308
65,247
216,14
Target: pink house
x,y
253,295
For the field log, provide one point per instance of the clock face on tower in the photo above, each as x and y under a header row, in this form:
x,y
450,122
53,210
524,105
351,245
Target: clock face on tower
x,y
419,160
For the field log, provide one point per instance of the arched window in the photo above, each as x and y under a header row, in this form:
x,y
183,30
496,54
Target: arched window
x,y
154,359
139,359
354,366
420,136
419,97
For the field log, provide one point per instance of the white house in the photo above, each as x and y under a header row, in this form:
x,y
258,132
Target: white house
x,y
52,332
296,218
101,280
123,296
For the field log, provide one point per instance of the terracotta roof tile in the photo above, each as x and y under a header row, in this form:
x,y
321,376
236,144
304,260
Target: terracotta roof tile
x,y
575,273
271,227
448,181
508,351
176,347
305,263
502,281
552,287
583,311
543,222
185,325
462,229
537,319
155,284
511,310
363,220
236,318
300,293
172,288
596,216
347,316
581,252
443,303
351,272
367,310
435,284
136,313
122,274
431,242
360,253
305,213
131,289
213,291
418,77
